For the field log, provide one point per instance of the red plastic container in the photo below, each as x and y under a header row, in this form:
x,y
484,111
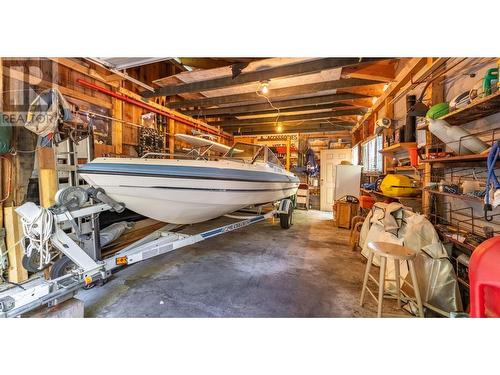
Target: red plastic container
x,y
413,156
484,279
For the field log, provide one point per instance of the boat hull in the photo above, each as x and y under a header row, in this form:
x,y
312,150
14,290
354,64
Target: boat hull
x,y
176,195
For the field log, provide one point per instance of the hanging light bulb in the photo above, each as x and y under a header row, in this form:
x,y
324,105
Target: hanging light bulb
x,y
279,128
264,87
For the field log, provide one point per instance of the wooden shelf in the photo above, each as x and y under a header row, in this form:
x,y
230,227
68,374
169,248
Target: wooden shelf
x,y
480,108
379,194
404,168
398,147
463,159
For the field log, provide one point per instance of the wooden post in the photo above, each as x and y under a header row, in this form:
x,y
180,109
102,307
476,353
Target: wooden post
x,y
288,144
117,126
1,85
171,136
389,112
47,176
16,273
436,93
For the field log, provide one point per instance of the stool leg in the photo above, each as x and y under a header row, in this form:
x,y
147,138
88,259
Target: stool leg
x,y
381,282
365,279
398,281
414,282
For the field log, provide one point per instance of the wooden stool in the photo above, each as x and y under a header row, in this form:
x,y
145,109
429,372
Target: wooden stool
x,y
397,253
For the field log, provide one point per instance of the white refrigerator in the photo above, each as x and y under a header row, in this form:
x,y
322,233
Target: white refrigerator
x,y
347,181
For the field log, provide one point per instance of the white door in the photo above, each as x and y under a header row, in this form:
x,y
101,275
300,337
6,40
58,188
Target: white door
x,y
329,160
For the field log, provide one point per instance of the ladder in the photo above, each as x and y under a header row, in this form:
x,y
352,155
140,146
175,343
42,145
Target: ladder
x,y
67,163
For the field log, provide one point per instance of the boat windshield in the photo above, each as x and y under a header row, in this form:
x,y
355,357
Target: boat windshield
x,y
251,153
244,151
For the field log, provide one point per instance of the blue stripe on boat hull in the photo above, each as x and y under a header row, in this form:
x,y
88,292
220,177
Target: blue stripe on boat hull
x,y
188,172
208,189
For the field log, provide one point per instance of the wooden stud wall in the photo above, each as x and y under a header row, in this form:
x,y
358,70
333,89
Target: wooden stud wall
x,y
62,73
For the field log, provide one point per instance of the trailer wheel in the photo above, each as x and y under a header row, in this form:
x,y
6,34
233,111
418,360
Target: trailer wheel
x,y
286,219
63,266
32,262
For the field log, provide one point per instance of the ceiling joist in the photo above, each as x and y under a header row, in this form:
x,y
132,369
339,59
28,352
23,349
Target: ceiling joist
x,y
404,76
345,125
282,93
291,110
382,71
287,70
281,104
304,128
309,116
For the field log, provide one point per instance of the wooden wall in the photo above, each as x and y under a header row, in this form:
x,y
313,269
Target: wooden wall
x,y
22,79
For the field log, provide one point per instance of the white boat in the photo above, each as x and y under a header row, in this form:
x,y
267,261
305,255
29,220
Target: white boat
x,y
185,191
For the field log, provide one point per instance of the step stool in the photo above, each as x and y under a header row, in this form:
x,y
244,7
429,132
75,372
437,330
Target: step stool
x,y
389,251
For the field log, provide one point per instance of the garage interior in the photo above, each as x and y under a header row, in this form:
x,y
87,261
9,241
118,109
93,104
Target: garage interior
x,y
390,208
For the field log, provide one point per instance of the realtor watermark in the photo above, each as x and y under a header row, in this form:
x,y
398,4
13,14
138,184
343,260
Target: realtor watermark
x,y
24,79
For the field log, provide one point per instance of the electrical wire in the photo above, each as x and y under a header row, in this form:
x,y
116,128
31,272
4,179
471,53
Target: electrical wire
x,y
427,80
11,282
87,113
440,74
272,106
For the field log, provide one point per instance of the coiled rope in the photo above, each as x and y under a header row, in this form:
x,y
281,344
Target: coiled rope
x,y
38,231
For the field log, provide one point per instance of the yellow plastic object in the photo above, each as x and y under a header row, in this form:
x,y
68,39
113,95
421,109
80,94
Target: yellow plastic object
x,y
398,185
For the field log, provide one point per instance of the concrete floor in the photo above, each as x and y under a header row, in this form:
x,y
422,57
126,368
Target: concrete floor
x,y
258,271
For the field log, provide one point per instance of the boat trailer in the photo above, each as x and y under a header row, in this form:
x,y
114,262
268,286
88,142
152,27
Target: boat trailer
x,y
78,211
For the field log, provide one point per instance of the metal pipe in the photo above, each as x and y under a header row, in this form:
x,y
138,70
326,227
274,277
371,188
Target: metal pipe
x,y
148,107
109,118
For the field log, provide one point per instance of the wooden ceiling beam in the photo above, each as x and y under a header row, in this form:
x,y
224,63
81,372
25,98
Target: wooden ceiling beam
x,y
384,71
81,68
287,70
404,76
291,110
281,104
304,128
345,125
203,62
309,116
276,94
